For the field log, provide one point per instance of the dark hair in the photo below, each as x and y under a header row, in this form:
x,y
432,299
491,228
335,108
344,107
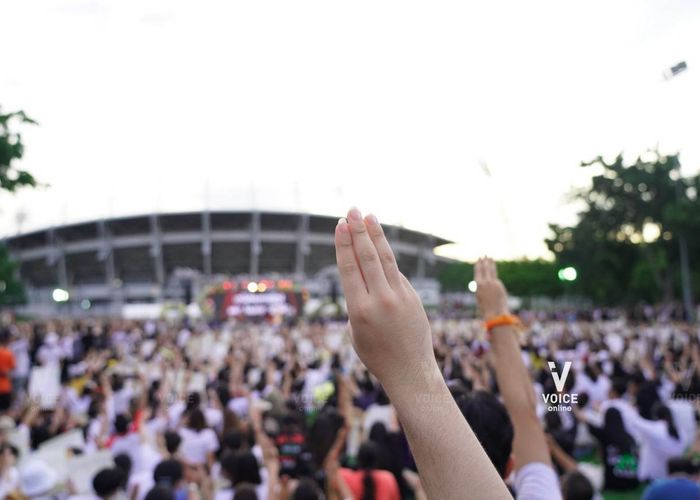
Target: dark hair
x,y
168,473
108,481
117,382
323,433
160,492
123,463
306,490
661,412
615,429
245,492
367,460
576,486
245,468
683,465
196,420
590,372
194,400
619,386
233,440
121,424
491,424
172,441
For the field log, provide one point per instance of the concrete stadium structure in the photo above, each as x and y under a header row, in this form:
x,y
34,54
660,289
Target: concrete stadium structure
x,y
140,259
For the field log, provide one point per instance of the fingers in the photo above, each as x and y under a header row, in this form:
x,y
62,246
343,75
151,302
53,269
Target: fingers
x,y
493,272
366,253
350,274
479,271
485,269
386,254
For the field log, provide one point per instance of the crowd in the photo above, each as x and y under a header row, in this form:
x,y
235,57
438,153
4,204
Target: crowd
x,y
510,406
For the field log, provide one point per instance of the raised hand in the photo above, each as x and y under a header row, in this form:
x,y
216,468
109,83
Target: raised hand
x,y
391,334
390,330
491,295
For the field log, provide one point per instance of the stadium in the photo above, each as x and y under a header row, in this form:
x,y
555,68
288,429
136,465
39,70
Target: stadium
x,y
98,267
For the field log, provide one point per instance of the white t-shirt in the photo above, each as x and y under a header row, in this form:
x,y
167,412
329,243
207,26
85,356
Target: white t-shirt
x,y
378,413
537,481
658,446
141,483
196,445
9,481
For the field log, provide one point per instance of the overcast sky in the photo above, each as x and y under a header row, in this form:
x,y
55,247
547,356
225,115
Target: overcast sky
x,y
393,106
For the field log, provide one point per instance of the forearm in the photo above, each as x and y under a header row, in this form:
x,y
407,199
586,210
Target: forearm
x,y
514,382
515,386
450,459
563,459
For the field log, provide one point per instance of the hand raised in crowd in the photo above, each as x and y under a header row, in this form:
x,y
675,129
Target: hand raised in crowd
x,y
391,334
390,329
491,295
529,443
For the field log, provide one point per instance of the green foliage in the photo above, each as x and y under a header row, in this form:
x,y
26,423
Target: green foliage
x,y
11,149
11,289
625,244
11,179
523,278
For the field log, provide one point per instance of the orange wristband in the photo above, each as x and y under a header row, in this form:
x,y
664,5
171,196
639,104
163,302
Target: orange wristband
x,y
505,320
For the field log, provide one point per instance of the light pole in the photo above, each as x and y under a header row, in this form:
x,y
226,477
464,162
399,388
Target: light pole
x,y
682,242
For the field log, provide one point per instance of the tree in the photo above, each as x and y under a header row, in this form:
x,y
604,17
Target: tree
x,y
625,243
524,278
12,178
11,149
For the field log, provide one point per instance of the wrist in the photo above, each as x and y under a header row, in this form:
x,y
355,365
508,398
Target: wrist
x,y
494,313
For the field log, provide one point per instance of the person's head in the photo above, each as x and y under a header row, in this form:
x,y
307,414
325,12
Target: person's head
x,y
234,440
4,337
246,468
121,424
160,492
168,473
677,488
618,388
615,428
196,420
576,486
123,463
378,433
194,401
108,482
172,442
117,382
661,412
245,492
492,426
306,490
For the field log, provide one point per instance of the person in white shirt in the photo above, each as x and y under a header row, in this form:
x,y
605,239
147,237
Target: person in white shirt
x,y
199,443
659,440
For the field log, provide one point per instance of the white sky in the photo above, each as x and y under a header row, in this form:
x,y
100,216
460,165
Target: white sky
x,y
316,105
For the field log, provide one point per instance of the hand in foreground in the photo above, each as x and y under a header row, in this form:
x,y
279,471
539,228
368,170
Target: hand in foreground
x,y
491,295
390,329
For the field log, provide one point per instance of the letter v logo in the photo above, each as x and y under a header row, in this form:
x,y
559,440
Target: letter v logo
x,y
559,381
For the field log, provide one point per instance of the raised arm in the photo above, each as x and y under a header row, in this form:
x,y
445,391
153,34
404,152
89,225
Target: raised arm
x,y
391,334
515,386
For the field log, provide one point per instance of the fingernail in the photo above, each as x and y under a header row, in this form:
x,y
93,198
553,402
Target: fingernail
x,y
354,214
342,225
372,219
